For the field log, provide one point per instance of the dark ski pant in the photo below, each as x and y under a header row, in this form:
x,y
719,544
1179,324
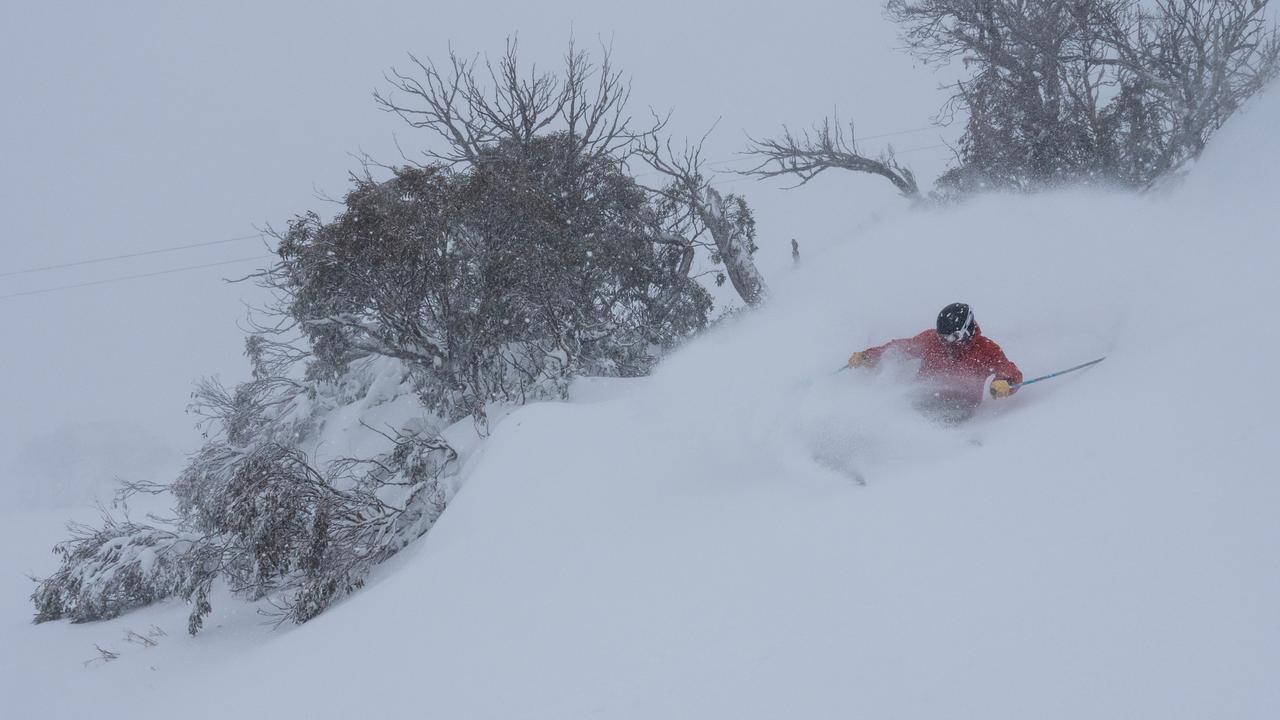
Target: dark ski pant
x,y
948,407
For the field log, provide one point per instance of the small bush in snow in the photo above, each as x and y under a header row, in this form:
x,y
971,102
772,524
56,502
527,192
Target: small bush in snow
x,y
251,511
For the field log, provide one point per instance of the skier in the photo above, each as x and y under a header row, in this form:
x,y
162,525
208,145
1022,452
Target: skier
x,y
955,361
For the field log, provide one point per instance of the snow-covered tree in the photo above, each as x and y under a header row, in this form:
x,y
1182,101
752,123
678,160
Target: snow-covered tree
x,y
253,510
694,209
497,281
1197,62
473,108
1069,90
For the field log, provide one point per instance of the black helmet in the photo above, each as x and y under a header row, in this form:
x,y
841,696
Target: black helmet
x,y
955,323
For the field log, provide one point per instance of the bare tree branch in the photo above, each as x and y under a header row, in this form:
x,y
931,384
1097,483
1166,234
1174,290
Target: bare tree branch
x,y
808,154
474,104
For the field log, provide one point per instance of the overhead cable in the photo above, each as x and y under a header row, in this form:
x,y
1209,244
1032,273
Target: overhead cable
x,y
132,277
126,256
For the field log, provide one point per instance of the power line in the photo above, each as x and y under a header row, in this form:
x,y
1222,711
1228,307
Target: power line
x,y
926,147
896,132
132,277
126,256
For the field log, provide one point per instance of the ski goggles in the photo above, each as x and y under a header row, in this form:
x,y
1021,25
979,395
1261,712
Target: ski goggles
x,y
961,335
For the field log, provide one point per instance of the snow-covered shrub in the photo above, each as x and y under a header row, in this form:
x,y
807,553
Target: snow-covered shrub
x,y
121,565
254,510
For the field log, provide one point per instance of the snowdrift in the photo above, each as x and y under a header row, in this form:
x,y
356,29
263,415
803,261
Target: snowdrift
x,y
695,544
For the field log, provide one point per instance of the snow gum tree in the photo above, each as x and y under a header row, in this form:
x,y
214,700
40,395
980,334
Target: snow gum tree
x,y
694,211
497,282
1122,92
472,107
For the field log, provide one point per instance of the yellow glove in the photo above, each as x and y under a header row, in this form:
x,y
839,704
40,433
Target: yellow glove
x,y
1001,389
857,359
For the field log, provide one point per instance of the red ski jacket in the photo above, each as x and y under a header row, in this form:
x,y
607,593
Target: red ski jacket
x,y
963,368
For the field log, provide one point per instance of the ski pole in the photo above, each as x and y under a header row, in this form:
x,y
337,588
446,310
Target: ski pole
x,y
1060,372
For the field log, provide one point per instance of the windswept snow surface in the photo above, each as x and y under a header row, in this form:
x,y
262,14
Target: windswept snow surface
x,y
1103,545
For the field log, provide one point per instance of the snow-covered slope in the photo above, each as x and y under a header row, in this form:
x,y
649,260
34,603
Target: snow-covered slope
x,y
1103,545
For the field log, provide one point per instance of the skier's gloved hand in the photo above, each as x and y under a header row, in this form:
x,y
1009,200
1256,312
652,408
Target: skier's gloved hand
x,y
1001,389
857,359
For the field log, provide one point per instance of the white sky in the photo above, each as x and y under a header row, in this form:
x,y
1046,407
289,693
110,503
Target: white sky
x,y
130,126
